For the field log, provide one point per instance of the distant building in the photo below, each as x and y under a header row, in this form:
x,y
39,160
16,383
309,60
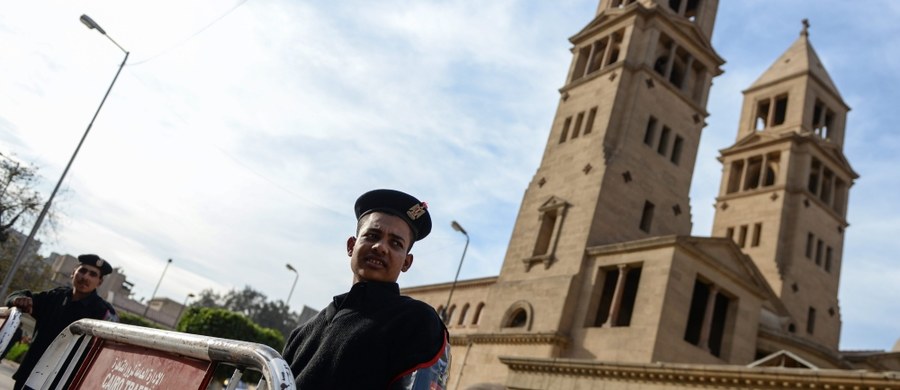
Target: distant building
x,y
603,285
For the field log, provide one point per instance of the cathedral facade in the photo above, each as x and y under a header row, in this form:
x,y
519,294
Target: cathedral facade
x,y
603,286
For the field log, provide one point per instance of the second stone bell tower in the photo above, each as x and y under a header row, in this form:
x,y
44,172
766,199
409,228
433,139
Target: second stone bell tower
x,y
783,196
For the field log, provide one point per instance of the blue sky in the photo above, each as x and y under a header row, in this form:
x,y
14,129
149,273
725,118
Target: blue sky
x,y
241,132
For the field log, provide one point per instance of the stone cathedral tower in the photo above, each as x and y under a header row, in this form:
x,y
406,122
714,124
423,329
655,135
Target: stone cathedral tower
x,y
783,197
620,155
603,286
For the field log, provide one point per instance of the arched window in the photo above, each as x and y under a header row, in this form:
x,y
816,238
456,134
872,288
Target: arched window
x,y
518,319
462,314
519,315
450,314
477,316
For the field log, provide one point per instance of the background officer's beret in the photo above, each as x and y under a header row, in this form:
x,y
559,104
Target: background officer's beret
x,y
399,204
96,261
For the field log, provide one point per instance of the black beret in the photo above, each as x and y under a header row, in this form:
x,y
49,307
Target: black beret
x,y
400,204
96,261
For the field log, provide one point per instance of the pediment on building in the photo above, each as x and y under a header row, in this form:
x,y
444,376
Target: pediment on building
x,y
838,156
552,203
693,33
749,140
830,151
724,255
598,20
783,359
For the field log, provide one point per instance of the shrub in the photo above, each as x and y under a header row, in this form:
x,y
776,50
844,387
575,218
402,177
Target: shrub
x,y
17,353
131,319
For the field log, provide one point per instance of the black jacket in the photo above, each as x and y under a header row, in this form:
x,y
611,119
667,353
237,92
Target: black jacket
x,y
365,339
54,310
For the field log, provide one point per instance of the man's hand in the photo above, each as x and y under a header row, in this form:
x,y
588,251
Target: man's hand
x,y
23,303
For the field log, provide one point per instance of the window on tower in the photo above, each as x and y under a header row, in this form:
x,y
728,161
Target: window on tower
x,y
548,222
686,8
757,231
707,328
761,171
647,216
551,215
767,116
650,132
772,169
663,141
570,131
734,176
819,252
589,125
742,236
754,169
565,130
578,119
780,110
598,55
676,150
809,245
822,120
617,295
681,69
811,320
813,184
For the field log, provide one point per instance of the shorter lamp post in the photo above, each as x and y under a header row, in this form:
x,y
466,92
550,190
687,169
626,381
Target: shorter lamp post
x,y
460,229
296,276
183,305
157,287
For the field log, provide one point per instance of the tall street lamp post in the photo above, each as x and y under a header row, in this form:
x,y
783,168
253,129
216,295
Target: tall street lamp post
x,y
91,24
157,287
297,276
460,229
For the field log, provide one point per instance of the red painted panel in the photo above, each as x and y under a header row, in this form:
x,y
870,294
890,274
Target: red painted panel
x,y
119,367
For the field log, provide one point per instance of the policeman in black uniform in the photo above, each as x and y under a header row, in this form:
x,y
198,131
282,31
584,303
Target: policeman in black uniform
x,y
53,310
372,337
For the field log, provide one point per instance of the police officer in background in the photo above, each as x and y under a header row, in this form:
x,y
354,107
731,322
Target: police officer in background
x,y
372,337
53,310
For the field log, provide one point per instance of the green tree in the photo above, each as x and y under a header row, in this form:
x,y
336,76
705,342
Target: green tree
x,y
227,324
254,305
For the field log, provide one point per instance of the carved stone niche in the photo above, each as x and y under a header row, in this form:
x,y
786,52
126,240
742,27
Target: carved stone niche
x,y
551,215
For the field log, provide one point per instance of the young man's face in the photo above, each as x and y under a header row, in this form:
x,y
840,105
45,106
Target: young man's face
x,y
380,250
86,278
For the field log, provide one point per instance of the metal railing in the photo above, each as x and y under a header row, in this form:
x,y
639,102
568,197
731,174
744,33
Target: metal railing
x,y
11,320
94,354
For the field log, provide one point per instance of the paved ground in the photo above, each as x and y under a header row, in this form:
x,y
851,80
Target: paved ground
x,y
7,368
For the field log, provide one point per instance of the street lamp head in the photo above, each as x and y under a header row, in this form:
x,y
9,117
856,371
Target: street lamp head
x,y
289,267
91,24
191,295
458,228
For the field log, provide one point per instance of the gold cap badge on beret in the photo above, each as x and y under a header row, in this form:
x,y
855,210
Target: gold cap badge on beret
x,y
417,211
